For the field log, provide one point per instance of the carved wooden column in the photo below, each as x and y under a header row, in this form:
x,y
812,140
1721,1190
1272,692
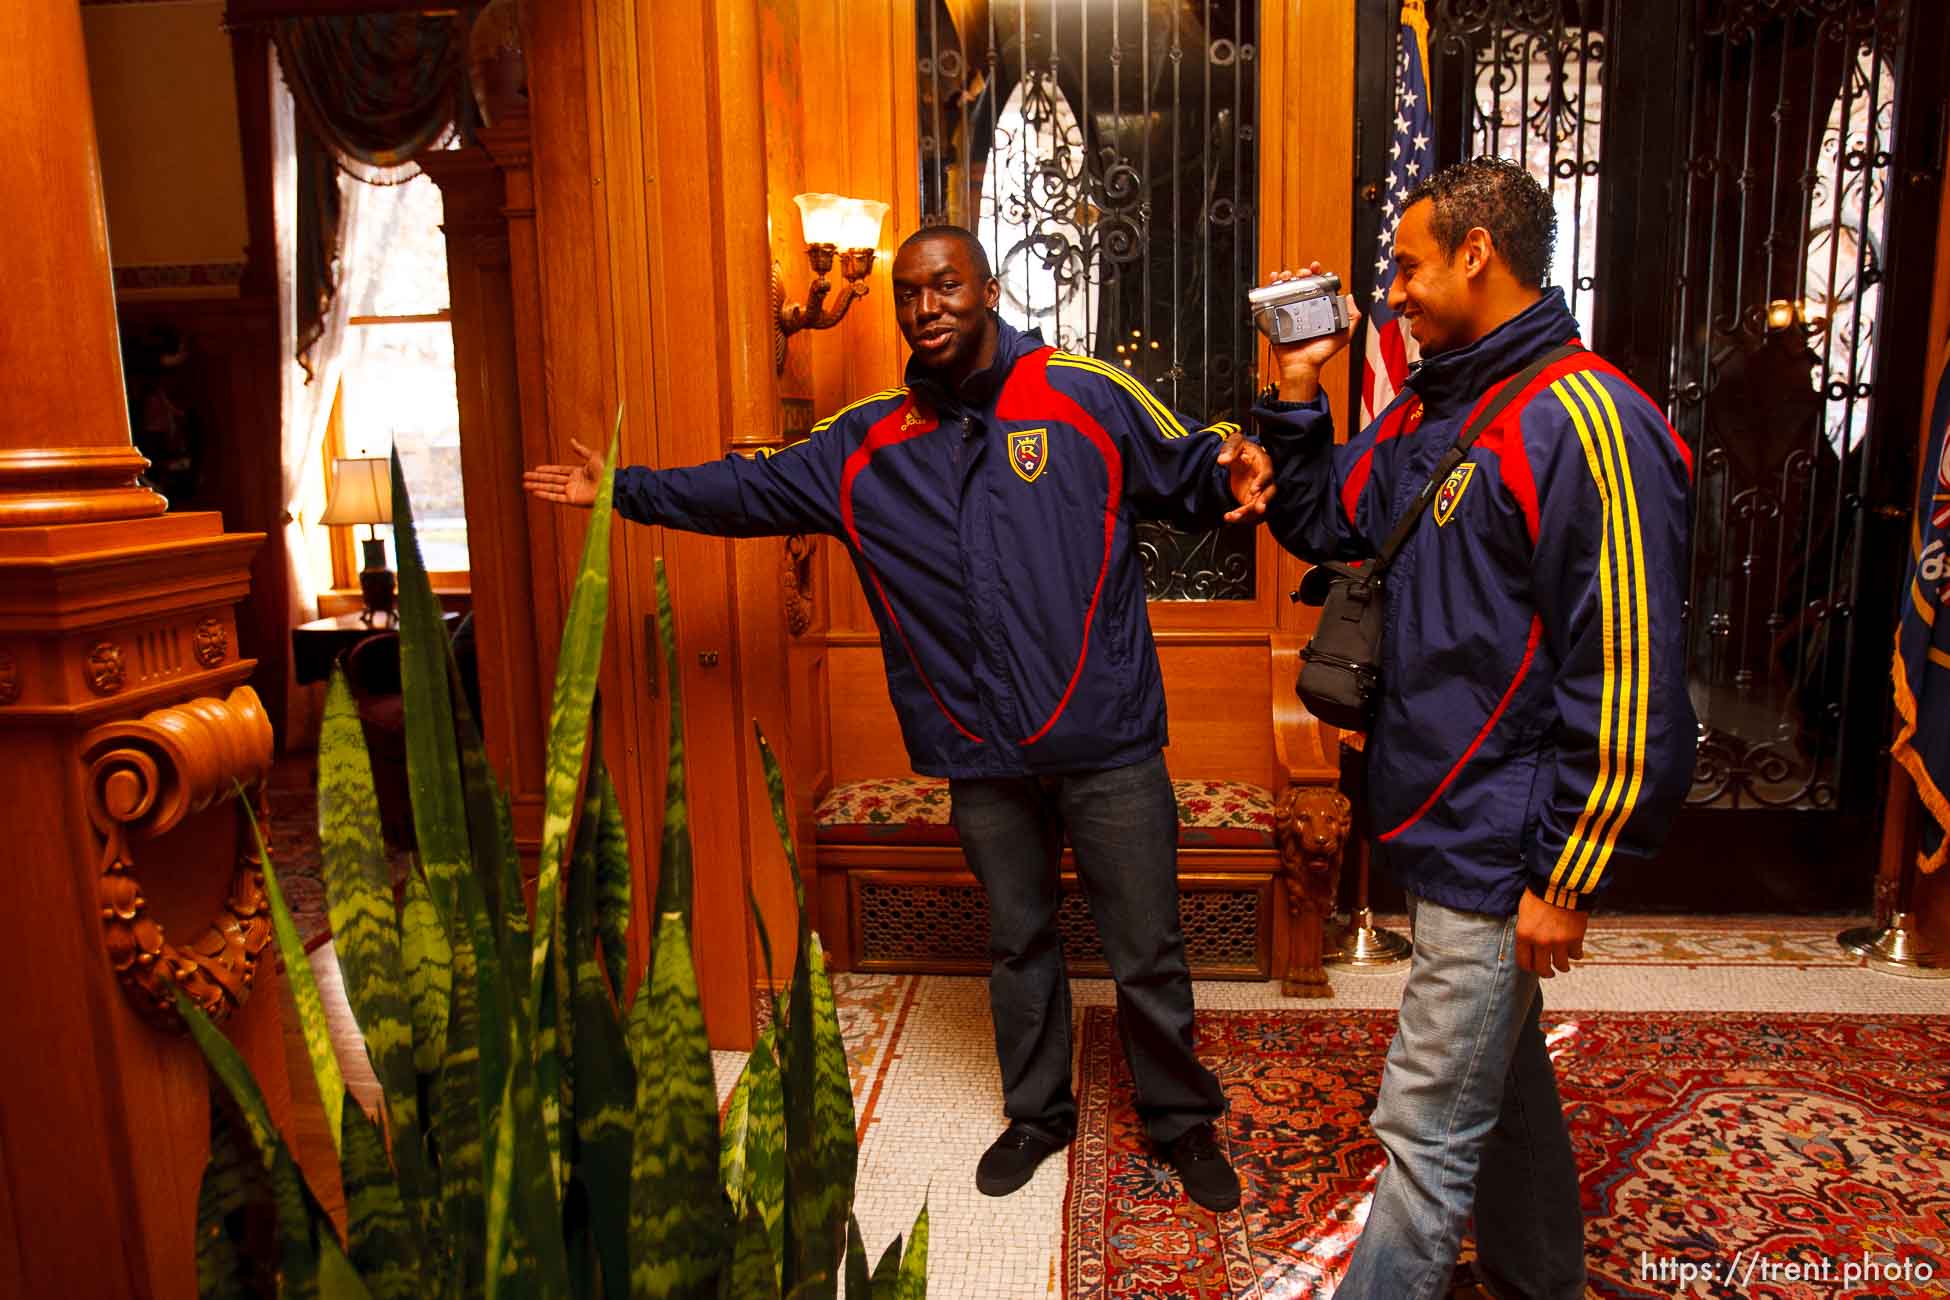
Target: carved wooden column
x,y
489,224
123,723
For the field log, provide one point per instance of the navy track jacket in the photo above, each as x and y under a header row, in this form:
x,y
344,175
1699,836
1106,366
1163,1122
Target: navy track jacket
x,y
1534,724
992,531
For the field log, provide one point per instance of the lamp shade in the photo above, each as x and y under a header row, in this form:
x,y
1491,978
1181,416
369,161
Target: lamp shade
x,y
362,492
840,221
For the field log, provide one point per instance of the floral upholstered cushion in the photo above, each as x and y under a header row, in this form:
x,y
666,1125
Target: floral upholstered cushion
x,y
1224,814
914,810
886,810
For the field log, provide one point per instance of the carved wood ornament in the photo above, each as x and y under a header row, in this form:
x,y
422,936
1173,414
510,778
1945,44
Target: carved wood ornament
x,y
798,580
146,776
1310,826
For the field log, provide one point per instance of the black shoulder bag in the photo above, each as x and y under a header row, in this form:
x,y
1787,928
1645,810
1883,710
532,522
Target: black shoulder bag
x,y
1340,673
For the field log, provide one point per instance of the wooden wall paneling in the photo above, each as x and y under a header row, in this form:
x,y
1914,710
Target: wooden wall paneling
x,y
760,663
1306,160
806,755
863,142
691,55
581,63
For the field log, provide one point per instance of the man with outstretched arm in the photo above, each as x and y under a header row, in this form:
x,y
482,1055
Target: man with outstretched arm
x,y
987,505
1534,731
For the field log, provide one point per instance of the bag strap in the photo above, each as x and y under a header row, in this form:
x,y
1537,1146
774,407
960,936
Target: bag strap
x,y
1454,456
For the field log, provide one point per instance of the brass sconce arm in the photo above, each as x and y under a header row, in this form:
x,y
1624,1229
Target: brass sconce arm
x,y
856,264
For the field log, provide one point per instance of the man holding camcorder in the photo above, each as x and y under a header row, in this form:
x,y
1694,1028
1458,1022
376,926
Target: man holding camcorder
x,y
1511,639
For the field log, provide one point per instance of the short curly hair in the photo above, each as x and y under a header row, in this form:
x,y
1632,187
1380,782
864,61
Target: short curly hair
x,y
1502,198
971,243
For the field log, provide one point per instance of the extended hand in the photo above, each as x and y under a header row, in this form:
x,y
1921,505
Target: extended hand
x,y
1299,363
569,485
1549,938
1251,475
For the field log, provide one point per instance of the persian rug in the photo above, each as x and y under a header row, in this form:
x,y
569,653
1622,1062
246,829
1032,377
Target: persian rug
x,y
1720,1154
291,837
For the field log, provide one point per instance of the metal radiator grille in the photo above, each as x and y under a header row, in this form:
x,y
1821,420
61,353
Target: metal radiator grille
x,y
946,927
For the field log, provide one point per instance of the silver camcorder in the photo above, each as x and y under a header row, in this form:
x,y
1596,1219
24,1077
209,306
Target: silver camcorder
x,y
1294,311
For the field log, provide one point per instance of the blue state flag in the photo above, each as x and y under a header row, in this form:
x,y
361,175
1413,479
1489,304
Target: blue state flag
x,y
1922,665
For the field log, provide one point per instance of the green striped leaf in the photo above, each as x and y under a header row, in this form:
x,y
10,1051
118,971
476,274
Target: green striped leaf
x,y
537,1261
887,1273
298,1215
384,1242
432,758
614,878
429,961
674,867
457,1125
576,669
753,1274
679,1219
304,988
337,1278
812,1247
857,1285
835,1138
913,1283
775,792
478,788
503,1255
751,1163
365,930
603,1103
233,1185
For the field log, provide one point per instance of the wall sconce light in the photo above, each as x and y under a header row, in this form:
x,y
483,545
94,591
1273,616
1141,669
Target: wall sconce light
x,y
835,226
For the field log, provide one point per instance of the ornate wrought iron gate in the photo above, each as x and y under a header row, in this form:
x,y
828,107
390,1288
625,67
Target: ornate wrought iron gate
x,y
1105,153
1745,194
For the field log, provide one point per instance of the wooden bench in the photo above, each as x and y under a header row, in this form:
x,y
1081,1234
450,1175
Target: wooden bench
x,y
1262,826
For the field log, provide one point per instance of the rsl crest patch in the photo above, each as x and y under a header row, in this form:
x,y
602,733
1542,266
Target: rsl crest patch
x,y
1029,453
1450,493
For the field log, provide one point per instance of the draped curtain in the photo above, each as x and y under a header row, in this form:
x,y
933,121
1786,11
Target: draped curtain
x,y
353,100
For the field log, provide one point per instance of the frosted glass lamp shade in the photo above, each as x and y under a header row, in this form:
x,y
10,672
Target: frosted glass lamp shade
x,y
840,221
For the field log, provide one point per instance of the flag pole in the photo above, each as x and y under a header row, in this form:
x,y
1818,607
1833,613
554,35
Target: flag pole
x,y
1895,944
1364,947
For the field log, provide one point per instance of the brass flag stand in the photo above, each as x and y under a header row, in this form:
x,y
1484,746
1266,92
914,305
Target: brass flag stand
x,y
1364,947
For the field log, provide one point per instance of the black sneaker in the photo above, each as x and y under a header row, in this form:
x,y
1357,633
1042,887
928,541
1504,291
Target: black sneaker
x,y
1204,1170
1012,1158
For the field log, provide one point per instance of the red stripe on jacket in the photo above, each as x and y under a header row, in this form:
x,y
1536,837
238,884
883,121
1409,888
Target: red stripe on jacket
x,y
1496,716
898,425
1504,437
1685,452
1028,395
1400,421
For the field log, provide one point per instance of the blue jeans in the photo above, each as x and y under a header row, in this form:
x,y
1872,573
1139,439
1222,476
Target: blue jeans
x,y
1123,827
1470,1118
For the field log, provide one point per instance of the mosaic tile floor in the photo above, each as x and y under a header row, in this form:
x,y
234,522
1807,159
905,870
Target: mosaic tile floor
x,y
929,1104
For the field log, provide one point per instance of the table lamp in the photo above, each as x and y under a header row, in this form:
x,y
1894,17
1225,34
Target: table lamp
x,y
362,493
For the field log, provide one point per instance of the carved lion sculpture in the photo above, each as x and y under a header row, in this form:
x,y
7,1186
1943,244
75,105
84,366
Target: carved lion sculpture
x,y
1311,825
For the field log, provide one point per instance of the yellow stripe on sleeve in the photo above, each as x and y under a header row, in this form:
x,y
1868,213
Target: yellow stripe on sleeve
x,y
882,395
1168,425
1639,699
1580,843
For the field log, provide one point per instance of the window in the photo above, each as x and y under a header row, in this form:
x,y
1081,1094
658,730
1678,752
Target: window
x,y
1106,157
1540,99
396,389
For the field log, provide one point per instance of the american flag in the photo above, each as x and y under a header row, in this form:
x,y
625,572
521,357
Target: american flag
x,y
1411,157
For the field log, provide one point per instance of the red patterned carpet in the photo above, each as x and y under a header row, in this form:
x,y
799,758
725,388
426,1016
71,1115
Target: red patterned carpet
x,y
1767,1143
